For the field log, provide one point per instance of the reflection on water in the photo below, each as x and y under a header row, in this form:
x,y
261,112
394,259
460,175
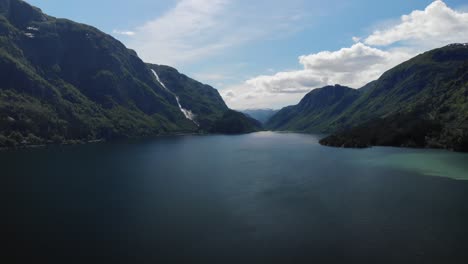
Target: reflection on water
x,y
259,198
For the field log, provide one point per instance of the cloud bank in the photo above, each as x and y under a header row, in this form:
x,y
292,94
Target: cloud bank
x,y
354,66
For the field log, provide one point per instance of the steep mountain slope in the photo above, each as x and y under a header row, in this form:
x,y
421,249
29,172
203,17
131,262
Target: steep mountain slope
x,y
202,100
63,81
316,111
421,102
423,84
262,115
233,122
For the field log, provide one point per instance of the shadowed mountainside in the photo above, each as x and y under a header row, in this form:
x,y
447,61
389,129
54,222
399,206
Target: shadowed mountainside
x,y
63,81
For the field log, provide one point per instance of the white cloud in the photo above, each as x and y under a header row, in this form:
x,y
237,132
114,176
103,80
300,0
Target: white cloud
x,y
121,32
246,96
287,82
358,56
356,39
197,29
359,64
354,67
437,25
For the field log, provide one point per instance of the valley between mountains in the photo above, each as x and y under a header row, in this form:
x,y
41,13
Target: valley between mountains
x,y
66,82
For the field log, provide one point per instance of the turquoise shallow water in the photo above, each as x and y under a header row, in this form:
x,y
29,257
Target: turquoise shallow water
x,y
258,198
427,162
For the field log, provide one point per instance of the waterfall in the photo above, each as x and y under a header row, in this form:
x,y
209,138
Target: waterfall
x,y
187,113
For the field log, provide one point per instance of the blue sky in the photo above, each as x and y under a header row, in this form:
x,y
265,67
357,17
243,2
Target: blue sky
x,y
270,53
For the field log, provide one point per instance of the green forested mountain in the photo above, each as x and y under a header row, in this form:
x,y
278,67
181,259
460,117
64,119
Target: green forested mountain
x,y
429,90
64,81
316,111
202,100
206,106
233,122
424,84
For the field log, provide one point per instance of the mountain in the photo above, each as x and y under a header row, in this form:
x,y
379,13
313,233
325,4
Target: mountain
x,y
403,130
202,100
316,111
261,115
424,84
63,81
233,122
203,103
422,102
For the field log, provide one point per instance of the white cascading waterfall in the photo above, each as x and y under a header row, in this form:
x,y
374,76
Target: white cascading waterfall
x,y
187,113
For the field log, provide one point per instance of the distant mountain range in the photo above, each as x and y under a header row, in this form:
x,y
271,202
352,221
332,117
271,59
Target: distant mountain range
x,y
262,115
63,81
420,103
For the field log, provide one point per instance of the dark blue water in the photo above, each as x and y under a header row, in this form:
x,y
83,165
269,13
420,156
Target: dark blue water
x,y
258,198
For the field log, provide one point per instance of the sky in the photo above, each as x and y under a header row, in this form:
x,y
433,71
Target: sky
x,y
270,53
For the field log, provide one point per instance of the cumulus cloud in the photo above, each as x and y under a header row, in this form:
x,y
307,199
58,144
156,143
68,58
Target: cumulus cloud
x,y
286,82
361,63
353,66
437,25
245,96
344,60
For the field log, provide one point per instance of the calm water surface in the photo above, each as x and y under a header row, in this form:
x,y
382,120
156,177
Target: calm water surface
x,y
258,198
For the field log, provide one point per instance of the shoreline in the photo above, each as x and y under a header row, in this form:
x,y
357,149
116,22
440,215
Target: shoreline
x,y
97,141
73,142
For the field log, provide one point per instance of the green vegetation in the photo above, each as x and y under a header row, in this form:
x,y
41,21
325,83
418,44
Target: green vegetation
x,y
405,130
233,122
421,103
201,99
316,111
66,82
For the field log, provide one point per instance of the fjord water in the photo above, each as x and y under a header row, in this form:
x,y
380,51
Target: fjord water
x,y
258,198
